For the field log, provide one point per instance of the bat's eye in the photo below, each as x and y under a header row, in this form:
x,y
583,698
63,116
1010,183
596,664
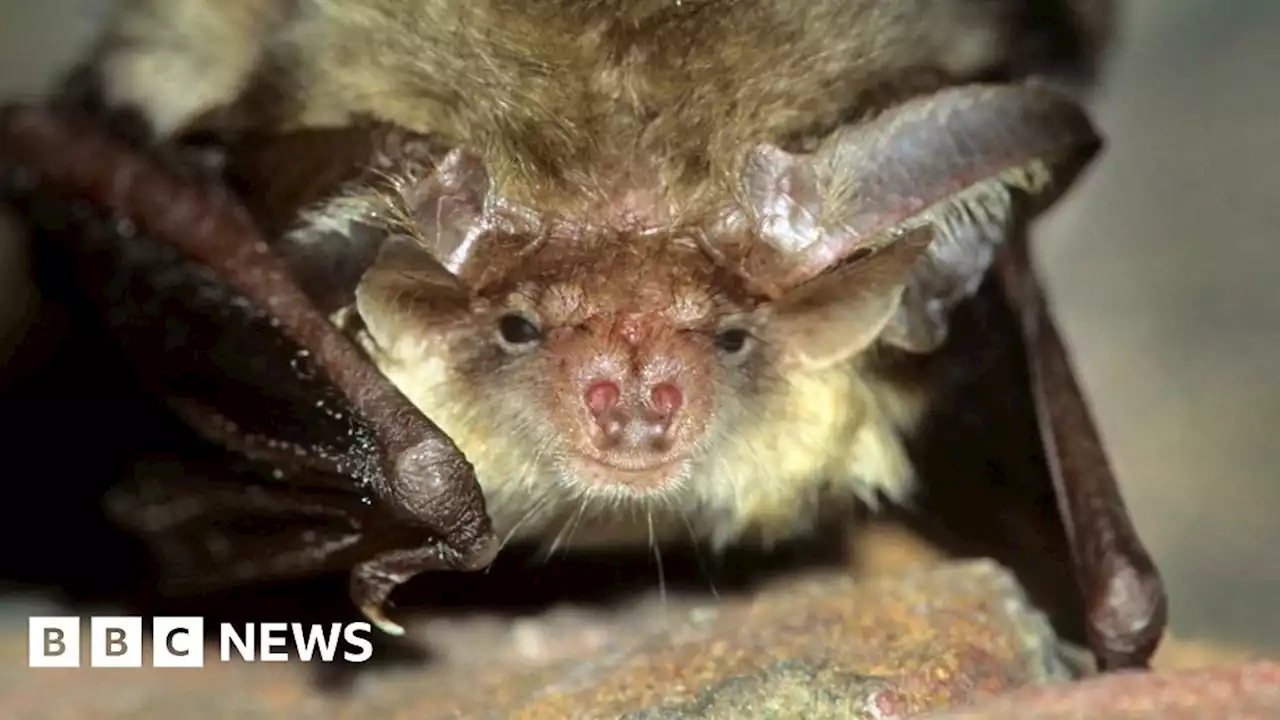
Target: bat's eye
x,y
732,341
518,330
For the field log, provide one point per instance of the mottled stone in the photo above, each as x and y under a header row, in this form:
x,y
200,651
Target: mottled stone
x,y
1234,692
821,645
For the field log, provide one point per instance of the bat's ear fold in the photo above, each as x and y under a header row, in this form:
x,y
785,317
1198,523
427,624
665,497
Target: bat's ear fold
x,y
419,276
837,315
366,194
969,162
447,208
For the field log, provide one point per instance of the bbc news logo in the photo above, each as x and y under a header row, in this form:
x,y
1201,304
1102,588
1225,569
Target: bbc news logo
x,y
179,642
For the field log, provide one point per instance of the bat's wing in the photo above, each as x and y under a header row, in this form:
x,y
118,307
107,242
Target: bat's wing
x,y
1039,491
974,164
213,322
1124,595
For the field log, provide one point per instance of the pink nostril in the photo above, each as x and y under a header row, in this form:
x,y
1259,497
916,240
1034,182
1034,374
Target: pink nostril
x,y
601,396
666,398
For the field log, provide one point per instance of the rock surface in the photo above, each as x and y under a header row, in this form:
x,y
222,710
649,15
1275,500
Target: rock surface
x,y
1240,692
818,646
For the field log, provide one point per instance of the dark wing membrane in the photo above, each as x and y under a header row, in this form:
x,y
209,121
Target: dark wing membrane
x,y
987,487
215,323
1127,607
215,521
1036,487
220,359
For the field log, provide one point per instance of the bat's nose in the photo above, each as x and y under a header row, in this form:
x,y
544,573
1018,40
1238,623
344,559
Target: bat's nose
x,y
637,421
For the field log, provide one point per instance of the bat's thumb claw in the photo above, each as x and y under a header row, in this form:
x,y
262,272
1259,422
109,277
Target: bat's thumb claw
x,y
379,619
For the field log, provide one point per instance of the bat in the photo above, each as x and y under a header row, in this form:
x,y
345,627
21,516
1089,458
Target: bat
x,y
442,275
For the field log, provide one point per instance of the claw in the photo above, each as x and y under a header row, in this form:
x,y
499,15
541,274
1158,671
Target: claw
x,y
379,619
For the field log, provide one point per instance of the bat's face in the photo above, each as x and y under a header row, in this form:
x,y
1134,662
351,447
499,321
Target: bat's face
x,y
627,351
625,381
702,370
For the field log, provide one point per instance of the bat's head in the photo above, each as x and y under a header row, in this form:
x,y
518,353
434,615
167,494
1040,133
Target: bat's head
x,y
592,361
706,369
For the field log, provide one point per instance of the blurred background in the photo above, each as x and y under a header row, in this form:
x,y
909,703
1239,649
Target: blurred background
x,y
1162,264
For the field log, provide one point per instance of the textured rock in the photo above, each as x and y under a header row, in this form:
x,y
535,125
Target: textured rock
x,y
817,646
1238,692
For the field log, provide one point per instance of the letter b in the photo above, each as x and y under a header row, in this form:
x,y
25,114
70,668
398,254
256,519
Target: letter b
x,y
53,642
115,642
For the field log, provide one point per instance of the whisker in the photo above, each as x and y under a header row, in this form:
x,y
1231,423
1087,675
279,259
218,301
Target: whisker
x,y
566,531
538,504
537,507
697,551
657,557
577,518
555,542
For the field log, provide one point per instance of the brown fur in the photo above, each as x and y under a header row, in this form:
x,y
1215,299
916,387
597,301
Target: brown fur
x,y
594,97
176,60
568,100
610,134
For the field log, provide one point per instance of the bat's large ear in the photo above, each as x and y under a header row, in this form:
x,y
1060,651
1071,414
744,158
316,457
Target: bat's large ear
x,y
953,161
370,214
446,208
841,313
340,202
436,226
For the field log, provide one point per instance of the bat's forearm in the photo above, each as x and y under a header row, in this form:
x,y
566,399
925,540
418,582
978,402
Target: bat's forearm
x,y
1124,594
